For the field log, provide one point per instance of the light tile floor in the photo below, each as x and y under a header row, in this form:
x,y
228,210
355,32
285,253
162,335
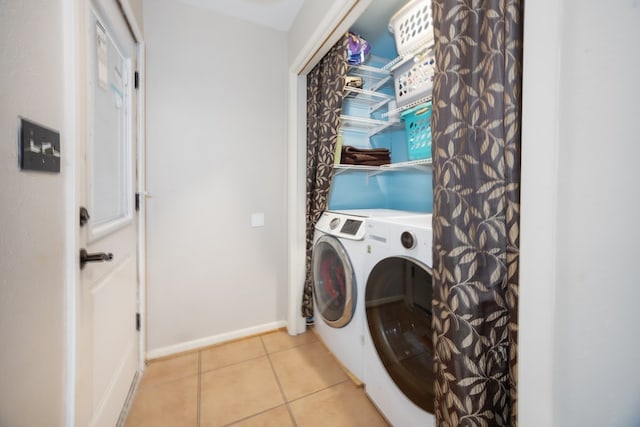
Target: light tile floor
x,y
268,380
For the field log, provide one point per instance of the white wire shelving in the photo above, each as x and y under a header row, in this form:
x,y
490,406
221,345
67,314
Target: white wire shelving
x,y
375,170
370,97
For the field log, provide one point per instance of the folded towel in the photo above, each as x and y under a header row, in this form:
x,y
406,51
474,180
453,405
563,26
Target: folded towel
x,y
349,149
365,156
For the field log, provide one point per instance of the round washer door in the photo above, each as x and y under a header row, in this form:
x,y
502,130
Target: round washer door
x,y
334,284
398,309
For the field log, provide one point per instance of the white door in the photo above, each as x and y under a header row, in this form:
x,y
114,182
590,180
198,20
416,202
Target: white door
x,y
108,342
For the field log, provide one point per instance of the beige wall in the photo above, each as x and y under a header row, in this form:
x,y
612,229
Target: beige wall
x,y
216,119
32,204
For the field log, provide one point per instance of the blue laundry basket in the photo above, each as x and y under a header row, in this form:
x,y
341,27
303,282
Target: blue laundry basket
x,y
417,126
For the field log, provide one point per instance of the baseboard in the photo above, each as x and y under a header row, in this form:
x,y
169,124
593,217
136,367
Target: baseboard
x,y
214,339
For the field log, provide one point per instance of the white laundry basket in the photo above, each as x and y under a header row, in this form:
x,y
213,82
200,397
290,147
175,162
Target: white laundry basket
x,y
412,26
413,79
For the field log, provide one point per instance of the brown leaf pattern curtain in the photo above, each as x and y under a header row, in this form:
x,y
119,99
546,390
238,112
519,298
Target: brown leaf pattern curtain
x,y
325,85
476,210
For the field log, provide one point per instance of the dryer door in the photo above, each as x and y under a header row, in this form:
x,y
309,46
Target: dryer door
x,y
334,284
398,309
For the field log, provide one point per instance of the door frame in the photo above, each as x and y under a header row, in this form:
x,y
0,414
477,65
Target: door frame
x,y
337,22
76,376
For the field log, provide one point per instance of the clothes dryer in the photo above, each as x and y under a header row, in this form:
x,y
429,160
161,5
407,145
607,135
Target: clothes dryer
x,y
338,282
398,349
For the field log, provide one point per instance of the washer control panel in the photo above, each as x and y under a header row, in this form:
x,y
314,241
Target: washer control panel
x,y
341,225
351,226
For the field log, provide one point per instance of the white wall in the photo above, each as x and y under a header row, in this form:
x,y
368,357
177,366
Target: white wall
x,y
597,346
216,140
579,333
32,219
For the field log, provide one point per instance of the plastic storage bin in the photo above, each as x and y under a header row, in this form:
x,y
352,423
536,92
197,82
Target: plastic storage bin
x,y
413,79
417,125
412,26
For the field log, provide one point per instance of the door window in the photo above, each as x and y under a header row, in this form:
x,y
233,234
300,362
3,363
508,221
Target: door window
x,y
110,136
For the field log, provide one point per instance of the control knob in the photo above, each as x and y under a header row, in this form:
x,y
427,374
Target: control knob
x,y
408,240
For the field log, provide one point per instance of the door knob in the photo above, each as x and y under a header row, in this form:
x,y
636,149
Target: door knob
x,y
86,257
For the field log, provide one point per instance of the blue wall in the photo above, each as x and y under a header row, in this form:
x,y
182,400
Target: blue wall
x,y
408,189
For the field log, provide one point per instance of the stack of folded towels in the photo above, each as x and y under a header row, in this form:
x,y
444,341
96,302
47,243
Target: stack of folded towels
x,y
365,156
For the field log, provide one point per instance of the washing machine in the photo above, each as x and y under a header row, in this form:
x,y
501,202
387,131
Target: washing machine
x,y
338,283
398,348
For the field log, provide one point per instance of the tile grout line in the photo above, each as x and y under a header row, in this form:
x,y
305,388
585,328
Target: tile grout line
x,y
199,395
248,417
232,364
320,390
275,374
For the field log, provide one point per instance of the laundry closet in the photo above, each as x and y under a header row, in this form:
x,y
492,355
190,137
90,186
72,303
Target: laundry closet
x,y
386,106
371,259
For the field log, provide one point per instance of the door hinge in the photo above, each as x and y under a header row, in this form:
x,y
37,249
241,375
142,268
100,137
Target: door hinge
x,y
136,80
137,321
84,216
137,202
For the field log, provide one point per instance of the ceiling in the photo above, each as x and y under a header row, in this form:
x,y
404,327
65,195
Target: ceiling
x,y
276,14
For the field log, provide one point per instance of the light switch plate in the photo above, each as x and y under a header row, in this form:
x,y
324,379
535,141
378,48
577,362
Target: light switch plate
x,y
39,147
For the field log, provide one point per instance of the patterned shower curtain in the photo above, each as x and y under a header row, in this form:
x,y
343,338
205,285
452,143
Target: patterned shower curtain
x,y
476,210
325,84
